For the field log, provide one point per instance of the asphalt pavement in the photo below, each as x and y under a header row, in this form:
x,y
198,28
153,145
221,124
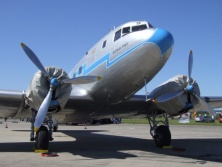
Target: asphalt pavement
x,y
112,145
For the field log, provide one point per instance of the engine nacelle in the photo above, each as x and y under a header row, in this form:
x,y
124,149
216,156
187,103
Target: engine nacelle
x,y
178,104
39,87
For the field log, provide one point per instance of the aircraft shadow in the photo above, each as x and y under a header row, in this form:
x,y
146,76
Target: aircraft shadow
x,y
90,144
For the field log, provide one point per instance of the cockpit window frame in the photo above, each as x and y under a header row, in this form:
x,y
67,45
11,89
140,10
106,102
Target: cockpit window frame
x,y
117,35
126,30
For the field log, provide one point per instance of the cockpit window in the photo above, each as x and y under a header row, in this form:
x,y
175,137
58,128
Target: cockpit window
x,y
139,28
126,30
117,35
104,44
150,25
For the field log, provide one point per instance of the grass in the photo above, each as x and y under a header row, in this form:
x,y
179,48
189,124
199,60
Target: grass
x,y
171,122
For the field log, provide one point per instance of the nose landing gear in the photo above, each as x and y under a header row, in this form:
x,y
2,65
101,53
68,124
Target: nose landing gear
x,y
43,135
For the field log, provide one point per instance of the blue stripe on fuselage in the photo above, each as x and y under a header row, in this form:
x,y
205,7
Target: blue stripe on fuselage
x,y
107,59
157,37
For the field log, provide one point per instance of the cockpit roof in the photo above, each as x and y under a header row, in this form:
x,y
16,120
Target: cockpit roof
x,y
134,23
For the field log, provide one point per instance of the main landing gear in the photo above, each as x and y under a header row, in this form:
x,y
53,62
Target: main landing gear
x,y
43,135
161,134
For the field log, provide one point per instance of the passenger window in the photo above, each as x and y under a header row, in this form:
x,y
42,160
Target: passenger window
x,y
139,28
117,35
104,44
126,31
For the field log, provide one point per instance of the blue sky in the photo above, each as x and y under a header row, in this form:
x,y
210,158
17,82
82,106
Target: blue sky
x,y
60,32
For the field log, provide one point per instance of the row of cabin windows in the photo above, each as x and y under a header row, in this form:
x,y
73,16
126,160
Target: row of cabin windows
x,y
125,31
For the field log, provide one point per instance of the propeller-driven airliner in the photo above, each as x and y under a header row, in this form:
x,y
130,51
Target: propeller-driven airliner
x,y
103,85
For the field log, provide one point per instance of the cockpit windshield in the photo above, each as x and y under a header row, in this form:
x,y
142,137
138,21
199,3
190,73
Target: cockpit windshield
x,y
126,30
139,28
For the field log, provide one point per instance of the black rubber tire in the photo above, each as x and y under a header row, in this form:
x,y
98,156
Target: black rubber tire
x,y
42,139
163,136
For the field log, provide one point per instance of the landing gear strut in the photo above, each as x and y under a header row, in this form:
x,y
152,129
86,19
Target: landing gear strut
x,y
43,135
161,134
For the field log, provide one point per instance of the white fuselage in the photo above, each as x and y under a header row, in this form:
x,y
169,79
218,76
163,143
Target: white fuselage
x,y
123,60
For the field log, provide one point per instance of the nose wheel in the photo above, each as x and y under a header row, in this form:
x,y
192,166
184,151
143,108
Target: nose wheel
x,y
42,139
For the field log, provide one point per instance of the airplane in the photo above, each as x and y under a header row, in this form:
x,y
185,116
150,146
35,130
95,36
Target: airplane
x,y
103,85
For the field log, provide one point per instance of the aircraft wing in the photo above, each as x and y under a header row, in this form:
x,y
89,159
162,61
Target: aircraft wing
x,y
82,108
214,101
10,103
77,108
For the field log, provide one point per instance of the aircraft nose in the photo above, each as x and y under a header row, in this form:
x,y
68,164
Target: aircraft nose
x,y
163,39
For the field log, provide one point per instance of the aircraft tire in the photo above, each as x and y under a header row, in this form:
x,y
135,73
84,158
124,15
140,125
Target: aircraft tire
x,y
42,139
163,136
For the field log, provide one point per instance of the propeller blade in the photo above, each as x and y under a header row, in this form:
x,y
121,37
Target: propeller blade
x,y
169,96
190,66
202,105
42,111
34,59
81,80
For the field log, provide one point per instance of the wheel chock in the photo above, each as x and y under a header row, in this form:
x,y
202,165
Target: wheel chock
x,y
41,151
167,147
50,154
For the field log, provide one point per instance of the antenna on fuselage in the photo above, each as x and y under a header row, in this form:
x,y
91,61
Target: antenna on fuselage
x,y
112,28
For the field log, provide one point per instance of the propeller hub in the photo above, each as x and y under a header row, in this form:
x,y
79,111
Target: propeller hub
x,y
190,88
54,82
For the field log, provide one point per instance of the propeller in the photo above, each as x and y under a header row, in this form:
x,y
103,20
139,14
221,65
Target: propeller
x,y
189,90
190,66
54,82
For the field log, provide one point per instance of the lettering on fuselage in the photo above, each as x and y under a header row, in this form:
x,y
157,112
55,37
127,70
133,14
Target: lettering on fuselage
x,y
116,50
125,44
119,48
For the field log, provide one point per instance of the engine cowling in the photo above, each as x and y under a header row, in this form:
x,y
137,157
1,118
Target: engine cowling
x,y
180,103
39,87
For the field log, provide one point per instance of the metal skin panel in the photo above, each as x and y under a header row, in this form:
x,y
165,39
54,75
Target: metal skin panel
x,y
10,102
